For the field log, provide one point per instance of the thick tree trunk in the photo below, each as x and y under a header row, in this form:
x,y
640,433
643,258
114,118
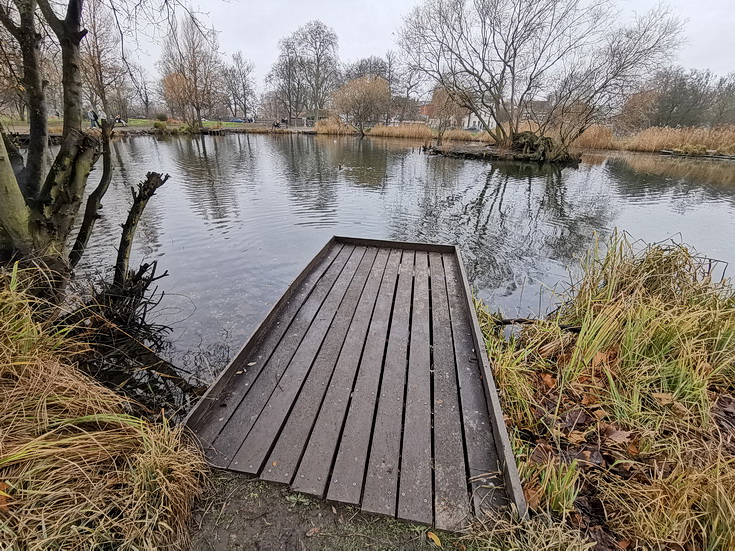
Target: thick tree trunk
x,y
63,190
91,211
30,45
14,213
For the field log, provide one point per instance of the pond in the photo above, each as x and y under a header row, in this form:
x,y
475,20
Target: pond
x,y
243,214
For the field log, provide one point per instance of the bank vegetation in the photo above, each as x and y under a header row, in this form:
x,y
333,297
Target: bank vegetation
x,y
620,403
78,471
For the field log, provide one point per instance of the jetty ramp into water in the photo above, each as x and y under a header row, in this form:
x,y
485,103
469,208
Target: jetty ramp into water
x,y
368,384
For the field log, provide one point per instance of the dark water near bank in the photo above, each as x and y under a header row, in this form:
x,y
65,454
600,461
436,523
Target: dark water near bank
x,y
243,214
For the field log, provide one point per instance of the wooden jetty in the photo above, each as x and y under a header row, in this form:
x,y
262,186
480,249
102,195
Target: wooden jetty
x,y
368,384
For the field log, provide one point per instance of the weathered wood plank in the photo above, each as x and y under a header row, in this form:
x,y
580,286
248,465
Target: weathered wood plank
x,y
381,482
451,501
482,457
238,425
424,247
318,418
305,371
415,501
348,473
243,375
313,472
299,289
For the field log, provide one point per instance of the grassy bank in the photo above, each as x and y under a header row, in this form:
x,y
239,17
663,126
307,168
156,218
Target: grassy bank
x,y
692,141
76,470
623,425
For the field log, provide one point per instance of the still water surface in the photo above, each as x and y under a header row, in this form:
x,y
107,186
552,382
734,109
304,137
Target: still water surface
x,y
243,214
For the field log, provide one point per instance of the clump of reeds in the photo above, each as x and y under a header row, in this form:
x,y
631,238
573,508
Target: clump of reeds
x,y
631,411
694,140
459,135
416,131
76,470
334,126
597,137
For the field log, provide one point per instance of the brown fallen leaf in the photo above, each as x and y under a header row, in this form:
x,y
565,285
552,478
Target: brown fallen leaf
x,y
600,413
532,493
588,399
576,437
548,380
434,539
599,359
313,531
624,544
619,436
663,398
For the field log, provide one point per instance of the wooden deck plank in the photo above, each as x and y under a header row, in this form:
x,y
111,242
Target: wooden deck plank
x,y
221,406
320,419
348,473
415,502
451,501
238,425
482,456
313,472
381,482
313,376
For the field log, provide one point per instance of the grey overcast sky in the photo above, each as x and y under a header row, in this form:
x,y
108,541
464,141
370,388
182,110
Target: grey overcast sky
x,y
369,28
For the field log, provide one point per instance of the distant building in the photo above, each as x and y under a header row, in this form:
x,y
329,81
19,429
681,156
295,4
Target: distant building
x,y
471,120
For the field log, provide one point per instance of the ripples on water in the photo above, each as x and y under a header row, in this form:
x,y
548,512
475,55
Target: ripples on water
x,y
243,214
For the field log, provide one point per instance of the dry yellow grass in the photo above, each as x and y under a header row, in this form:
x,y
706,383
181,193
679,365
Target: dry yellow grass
x,y
412,131
333,126
694,141
76,471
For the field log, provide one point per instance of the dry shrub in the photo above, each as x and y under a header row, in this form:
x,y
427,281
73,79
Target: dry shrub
x,y
638,394
334,126
414,131
76,471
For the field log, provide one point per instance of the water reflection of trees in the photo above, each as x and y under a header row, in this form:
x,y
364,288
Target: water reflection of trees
x,y
315,168
650,173
211,169
509,219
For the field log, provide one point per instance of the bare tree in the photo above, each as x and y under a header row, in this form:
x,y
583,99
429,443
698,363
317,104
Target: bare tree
x,y
239,83
190,52
40,199
499,58
141,82
362,100
287,78
318,45
372,66
445,112
101,56
722,110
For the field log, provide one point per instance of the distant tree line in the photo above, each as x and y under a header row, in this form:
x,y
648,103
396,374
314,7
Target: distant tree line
x,y
680,97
